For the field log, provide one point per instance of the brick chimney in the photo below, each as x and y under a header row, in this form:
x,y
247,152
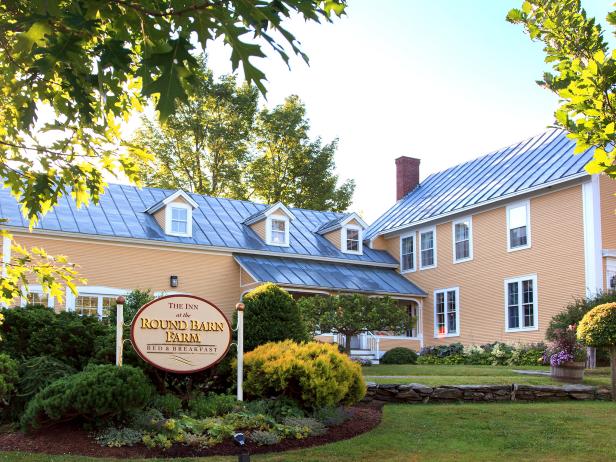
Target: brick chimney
x,y
407,175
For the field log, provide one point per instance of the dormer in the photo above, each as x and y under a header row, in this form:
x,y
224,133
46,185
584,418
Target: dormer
x,y
346,233
272,224
174,214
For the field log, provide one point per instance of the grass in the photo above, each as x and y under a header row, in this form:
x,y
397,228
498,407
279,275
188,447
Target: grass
x,y
538,432
472,375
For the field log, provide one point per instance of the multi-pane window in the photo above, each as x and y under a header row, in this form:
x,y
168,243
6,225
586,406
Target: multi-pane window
x,y
521,300
95,305
462,240
446,312
518,226
179,220
278,231
37,298
427,243
86,305
352,239
407,253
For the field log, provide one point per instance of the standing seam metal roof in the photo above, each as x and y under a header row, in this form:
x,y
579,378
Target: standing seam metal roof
x,y
535,162
217,222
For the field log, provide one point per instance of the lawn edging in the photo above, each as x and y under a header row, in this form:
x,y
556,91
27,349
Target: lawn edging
x,y
415,393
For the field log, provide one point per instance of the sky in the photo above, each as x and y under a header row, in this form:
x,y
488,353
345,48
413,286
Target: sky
x,y
442,80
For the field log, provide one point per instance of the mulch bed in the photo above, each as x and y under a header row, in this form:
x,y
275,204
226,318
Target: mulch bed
x,y
71,439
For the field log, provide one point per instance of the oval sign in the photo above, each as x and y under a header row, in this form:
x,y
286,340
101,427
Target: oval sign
x,y
181,333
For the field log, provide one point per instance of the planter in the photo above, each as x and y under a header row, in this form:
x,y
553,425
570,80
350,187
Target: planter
x,y
571,372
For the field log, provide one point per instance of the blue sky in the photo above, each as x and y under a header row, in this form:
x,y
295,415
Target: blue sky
x,y
445,81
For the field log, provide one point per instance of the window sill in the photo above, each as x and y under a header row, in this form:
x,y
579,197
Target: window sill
x,y
421,268
407,271
515,249
178,234
522,329
352,252
446,335
455,262
278,245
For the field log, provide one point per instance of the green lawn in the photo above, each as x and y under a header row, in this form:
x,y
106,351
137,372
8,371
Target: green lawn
x,y
566,431
471,375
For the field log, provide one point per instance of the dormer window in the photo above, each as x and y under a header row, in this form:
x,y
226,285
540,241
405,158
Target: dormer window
x,y
351,239
277,227
179,219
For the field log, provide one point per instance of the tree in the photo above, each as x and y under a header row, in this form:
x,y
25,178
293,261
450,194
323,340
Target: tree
x,y
598,329
584,75
204,147
352,314
73,71
271,315
290,167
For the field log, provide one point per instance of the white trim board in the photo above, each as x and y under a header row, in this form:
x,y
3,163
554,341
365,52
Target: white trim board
x,y
593,267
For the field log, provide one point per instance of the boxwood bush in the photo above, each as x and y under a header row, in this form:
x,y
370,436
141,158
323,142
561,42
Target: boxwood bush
x,y
313,374
399,355
103,391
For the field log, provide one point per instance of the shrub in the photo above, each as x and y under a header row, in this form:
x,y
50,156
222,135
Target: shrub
x,y
278,408
98,392
598,327
38,372
169,405
8,377
528,355
399,355
314,374
575,311
271,315
312,427
500,354
114,437
265,437
36,330
212,405
331,416
442,351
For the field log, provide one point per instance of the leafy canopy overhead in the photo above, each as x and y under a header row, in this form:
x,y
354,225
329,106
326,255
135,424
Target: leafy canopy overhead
x,y
90,63
73,71
584,74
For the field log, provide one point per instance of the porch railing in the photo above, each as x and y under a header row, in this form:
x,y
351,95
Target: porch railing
x,y
369,342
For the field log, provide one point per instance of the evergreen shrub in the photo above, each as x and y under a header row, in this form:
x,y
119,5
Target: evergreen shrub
x,y
102,391
399,355
271,315
313,374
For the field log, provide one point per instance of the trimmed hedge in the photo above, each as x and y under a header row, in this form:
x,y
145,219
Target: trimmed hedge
x,y
103,391
313,374
598,327
271,315
399,355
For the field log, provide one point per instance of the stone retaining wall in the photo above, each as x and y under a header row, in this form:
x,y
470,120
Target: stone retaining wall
x,y
415,393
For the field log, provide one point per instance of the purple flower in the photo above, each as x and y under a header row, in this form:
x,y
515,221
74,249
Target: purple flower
x,y
558,359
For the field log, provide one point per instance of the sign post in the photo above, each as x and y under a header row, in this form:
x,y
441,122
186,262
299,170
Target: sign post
x,y
240,351
119,329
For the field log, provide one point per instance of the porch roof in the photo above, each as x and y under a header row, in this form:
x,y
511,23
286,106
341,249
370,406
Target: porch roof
x,y
309,274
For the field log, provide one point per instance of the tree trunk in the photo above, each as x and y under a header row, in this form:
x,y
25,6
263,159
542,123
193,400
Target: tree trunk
x,y
613,364
347,344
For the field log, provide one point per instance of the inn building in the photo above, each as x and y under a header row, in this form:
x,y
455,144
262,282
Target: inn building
x,y
487,250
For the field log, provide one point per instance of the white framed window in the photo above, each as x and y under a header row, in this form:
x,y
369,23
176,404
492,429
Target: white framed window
x,y
407,253
521,311
34,295
462,230
518,226
178,220
427,248
93,300
447,312
351,237
277,230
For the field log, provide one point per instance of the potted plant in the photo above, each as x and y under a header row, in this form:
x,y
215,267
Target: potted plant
x,y
566,356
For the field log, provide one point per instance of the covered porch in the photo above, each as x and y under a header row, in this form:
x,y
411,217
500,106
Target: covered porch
x,y
303,277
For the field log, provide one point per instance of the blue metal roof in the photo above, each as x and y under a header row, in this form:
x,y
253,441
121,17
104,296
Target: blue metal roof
x,y
217,222
331,276
537,162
